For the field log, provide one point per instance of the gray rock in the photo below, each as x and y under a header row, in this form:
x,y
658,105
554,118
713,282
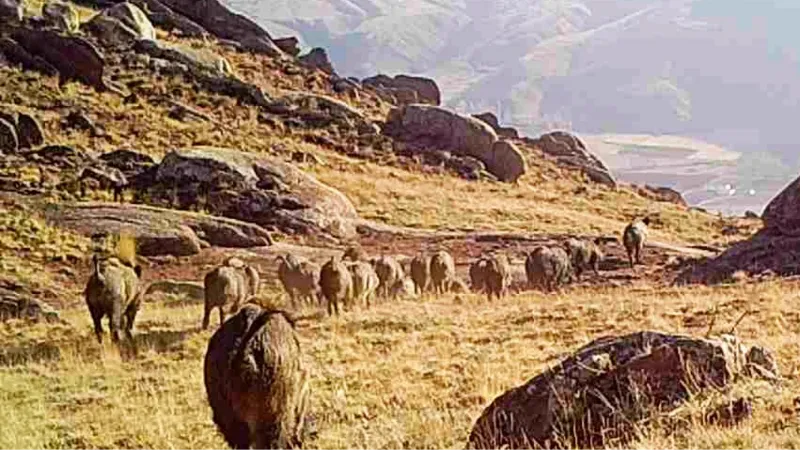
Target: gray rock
x,y
195,59
597,392
120,25
22,306
317,58
164,17
29,131
425,89
61,16
11,12
571,151
288,45
491,120
9,143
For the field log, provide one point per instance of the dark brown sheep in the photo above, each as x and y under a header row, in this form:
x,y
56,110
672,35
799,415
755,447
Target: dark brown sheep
x,y
256,384
420,273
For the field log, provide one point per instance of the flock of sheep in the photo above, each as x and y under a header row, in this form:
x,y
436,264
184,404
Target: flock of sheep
x,y
256,385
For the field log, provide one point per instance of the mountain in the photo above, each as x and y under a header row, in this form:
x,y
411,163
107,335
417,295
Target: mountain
x,y
721,72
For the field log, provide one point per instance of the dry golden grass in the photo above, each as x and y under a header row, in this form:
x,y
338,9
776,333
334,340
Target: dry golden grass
x,y
412,374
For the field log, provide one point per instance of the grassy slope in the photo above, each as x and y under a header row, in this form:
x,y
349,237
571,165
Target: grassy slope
x,y
411,374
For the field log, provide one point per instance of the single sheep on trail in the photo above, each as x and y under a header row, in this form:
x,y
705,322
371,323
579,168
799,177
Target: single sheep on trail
x,y
300,279
390,273
255,380
443,271
634,237
365,282
113,291
420,273
231,283
547,268
336,284
584,255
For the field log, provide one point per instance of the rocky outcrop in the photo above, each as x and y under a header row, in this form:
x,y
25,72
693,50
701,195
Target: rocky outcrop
x,y
10,12
61,16
320,111
606,390
29,131
157,231
491,120
466,136
122,24
772,250
16,55
570,151
221,22
288,45
9,143
17,303
317,58
129,162
256,189
74,58
164,17
661,194
196,60
406,89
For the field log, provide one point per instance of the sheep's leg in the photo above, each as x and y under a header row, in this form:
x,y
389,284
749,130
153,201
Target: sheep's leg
x,y
206,316
630,258
130,317
97,317
115,320
221,315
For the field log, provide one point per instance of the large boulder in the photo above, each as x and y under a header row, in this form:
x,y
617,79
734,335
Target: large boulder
x,y
491,120
425,89
10,12
157,231
317,58
462,135
570,151
29,131
321,111
606,390
73,57
257,189
61,16
225,24
783,212
9,143
198,60
121,24
164,17
289,45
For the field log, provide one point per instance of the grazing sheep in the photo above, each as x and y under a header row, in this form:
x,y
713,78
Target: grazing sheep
x,y
365,282
420,273
390,273
233,283
634,238
584,255
548,267
256,384
300,279
113,290
355,253
497,276
336,284
443,271
477,275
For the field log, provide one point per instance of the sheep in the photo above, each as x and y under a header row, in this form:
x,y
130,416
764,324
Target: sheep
x,y
443,271
300,278
256,383
390,273
497,276
232,282
365,282
548,267
634,238
113,290
420,273
355,253
477,275
336,284
584,255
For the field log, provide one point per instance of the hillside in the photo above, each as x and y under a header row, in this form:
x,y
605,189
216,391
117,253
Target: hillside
x,y
596,67
225,144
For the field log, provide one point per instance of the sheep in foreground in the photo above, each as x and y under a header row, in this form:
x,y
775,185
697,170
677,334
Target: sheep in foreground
x,y
548,268
113,291
256,384
300,279
232,283
634,237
